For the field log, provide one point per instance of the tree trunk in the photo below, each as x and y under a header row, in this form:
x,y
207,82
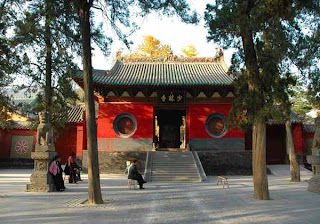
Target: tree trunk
x,y
47,37
294,166
260,179
94,190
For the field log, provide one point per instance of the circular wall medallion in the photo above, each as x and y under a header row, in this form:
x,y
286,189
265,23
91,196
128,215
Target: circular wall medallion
x,y
125,125
217,125
21,147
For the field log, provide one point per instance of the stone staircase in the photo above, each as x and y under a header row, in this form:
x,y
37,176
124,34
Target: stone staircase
x,y
174,167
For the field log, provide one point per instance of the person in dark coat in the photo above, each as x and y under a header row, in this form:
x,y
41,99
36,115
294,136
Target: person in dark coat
x,y
74,168
134,174
56,171
60,174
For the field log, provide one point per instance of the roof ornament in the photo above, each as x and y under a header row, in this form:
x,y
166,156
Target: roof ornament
x,y
118,53
170,58
219,54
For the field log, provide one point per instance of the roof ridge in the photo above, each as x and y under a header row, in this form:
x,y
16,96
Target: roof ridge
x,y
171,59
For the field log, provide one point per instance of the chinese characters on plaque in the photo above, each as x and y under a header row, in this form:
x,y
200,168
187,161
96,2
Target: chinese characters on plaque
x,y
171,97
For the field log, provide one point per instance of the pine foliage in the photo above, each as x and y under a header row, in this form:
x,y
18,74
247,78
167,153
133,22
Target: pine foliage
x,y
47,36
278,30
9,58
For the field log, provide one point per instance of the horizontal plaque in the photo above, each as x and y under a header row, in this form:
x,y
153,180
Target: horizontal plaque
x,y
171,97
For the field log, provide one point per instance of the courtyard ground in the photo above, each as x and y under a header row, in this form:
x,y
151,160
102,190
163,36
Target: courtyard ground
x,y
161,203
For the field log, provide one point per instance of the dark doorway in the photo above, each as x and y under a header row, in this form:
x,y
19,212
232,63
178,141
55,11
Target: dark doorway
x,y
170,128
275,146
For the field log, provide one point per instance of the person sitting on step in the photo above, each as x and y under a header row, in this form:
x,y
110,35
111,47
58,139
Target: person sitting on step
x,y
134,174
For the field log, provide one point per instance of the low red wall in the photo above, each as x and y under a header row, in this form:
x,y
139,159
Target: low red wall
x,y
198,114
6,138
72,138
108,112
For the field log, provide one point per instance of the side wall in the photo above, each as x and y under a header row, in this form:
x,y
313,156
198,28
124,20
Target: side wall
x,y
72,138
141,140
226,163
298,139
66,141
6,139
200,140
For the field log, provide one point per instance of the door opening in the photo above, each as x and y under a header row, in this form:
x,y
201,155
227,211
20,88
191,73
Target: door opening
x,y
170,129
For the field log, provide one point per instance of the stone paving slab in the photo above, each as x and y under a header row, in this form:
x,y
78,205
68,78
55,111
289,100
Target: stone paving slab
x,y
159,203
284,171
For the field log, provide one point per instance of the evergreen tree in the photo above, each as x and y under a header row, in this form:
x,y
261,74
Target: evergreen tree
x,y
48,36
118,14
300,101
310,64
266,34
9,59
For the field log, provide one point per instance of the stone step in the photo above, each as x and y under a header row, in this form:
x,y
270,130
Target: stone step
x,y
174,164
171,169
174,170
174,167
175,179
172,155
173,160
175,176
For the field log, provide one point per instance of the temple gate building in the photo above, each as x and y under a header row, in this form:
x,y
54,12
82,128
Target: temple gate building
x,y
148,105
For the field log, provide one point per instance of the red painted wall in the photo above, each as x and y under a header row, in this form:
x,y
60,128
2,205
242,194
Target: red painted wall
x,y
197,115
298,138
66,141
5,140
81,136
308,135
72,138
142,112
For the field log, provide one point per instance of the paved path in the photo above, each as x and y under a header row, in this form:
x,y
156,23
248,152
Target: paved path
x,y
284,171
159,203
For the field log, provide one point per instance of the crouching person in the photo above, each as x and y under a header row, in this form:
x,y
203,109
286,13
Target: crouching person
x,y
134,174
56,171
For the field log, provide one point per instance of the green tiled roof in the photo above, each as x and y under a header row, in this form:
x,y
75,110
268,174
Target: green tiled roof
x,y
23,125
160,73
294,118
309,128
76,113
